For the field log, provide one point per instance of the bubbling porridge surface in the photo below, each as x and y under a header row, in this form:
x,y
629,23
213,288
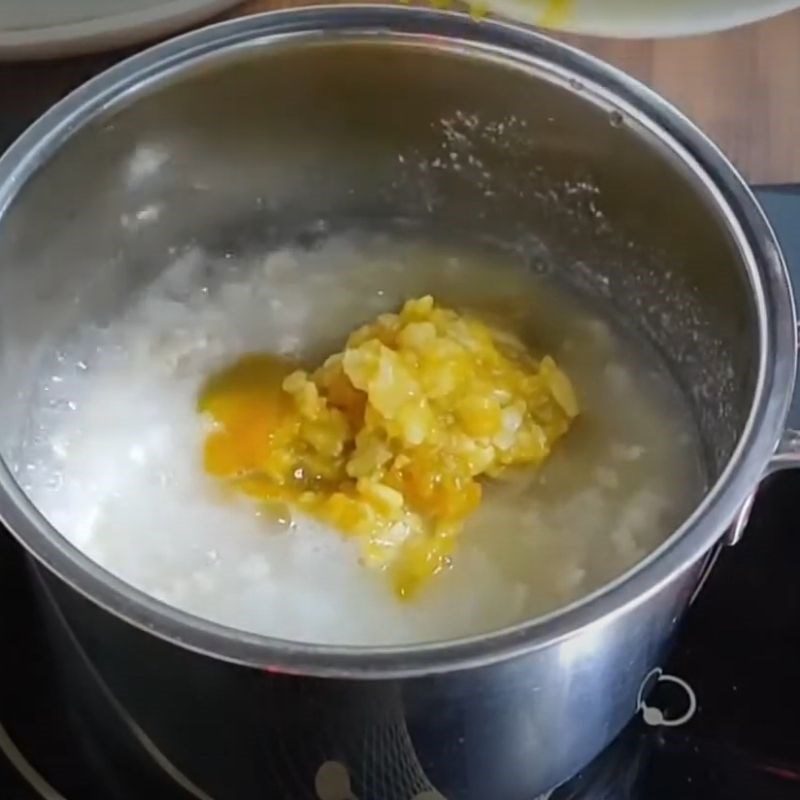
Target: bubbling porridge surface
x,y
114,454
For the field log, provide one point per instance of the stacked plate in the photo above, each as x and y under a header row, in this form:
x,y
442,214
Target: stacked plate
x,y
640,18
43,28
40,28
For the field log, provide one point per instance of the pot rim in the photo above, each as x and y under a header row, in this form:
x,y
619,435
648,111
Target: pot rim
x,y
760,253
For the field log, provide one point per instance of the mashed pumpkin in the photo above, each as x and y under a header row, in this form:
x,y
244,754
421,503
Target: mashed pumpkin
x,y
387,440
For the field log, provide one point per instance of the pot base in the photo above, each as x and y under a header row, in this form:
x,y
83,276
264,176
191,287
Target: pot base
x,y
696,760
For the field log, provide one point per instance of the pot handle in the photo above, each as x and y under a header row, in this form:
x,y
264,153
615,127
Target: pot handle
x,y
786,456
787,452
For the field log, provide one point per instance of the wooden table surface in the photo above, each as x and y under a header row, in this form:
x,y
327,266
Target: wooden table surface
x,y
742,86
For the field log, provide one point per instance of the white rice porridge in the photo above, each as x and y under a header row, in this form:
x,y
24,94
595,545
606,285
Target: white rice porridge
x,y
114,455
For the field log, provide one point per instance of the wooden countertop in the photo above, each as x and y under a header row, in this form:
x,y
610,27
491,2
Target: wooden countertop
x,y
742,86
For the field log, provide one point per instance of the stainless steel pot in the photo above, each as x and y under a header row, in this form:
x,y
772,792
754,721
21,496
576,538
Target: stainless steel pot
x,y
374,113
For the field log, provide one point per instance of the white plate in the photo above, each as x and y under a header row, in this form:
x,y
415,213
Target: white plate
x,y
45,28
639,18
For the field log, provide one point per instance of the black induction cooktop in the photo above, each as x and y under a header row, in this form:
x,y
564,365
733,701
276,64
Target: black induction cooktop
x,y
721,724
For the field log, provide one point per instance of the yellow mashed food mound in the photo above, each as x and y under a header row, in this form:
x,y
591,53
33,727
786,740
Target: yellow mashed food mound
x,y
387,440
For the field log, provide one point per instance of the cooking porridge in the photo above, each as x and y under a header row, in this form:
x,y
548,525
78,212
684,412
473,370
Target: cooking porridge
x,y
365,441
